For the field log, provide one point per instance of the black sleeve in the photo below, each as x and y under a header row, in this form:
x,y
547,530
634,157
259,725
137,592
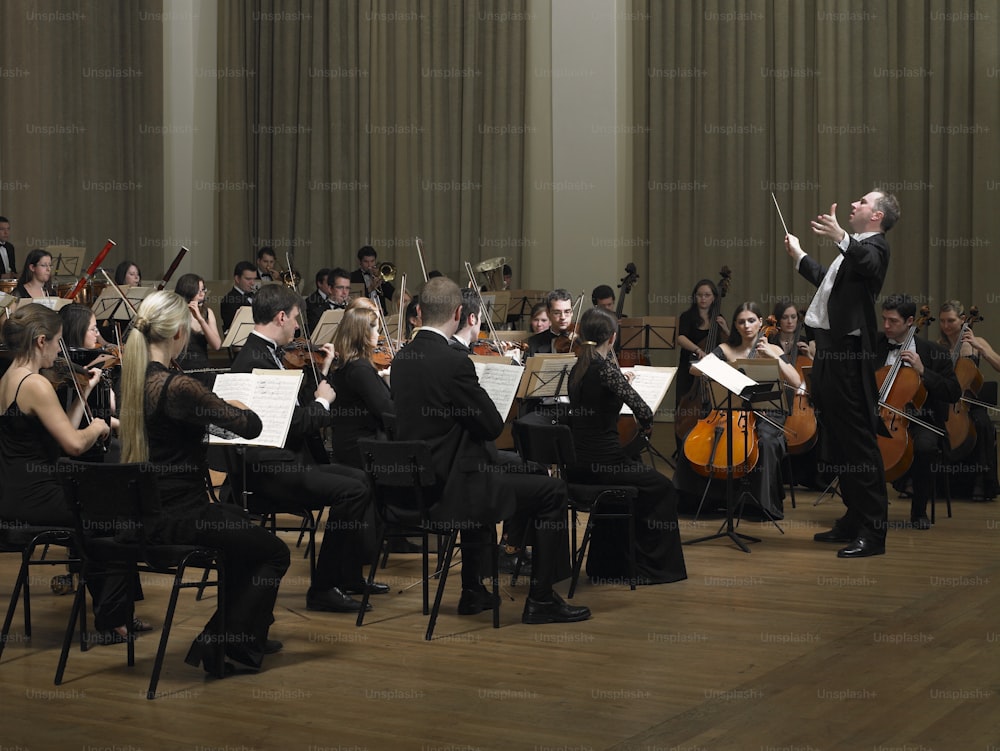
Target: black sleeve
x,y
613,378
190,401
372,390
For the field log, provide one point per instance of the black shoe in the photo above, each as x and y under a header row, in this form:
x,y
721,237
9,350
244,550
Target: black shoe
x,y
862,547
332,600
358,588
837,534
139,625
507,562
476,601
272,646
553,610
920,522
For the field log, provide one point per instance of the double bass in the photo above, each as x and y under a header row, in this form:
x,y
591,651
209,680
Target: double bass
x,y
628,357
697,401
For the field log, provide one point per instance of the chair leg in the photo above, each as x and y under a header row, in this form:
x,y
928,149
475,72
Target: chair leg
x,y
426,569
633,573
578,562
78,602
495,559
371,579
21,583
168,619
443,573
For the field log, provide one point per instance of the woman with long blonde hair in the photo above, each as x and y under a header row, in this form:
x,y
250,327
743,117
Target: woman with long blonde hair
x,y
164,417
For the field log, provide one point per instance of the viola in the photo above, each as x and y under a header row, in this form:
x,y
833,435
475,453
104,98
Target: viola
x,y
899,386
961,432
696,403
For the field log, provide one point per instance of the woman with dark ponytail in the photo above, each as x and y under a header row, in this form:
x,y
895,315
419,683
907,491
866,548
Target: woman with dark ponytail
x,y
597,390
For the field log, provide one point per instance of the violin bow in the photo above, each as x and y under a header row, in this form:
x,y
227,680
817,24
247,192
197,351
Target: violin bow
x,y
420,255
483,310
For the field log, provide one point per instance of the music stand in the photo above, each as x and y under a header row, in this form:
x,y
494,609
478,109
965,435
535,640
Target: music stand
x,y
326,327
521,303
241,327
68,260
648,332
497,306
546,376
109,306
52,303
742,387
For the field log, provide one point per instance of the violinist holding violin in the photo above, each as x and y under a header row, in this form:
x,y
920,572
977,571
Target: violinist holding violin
x,y
597,390
932,363
560,310
842,319
362,391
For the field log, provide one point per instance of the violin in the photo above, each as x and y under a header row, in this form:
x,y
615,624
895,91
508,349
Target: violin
x,y
898,387
300,353
566,342
66,373
382,355
105,358
697,401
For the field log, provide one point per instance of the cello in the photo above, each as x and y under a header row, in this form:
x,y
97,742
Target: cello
x,y
800,425
697,401
701,447
898,387
961,431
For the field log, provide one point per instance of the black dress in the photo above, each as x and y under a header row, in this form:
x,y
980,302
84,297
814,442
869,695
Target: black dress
x,y
687,326
179,409
595,404
362,398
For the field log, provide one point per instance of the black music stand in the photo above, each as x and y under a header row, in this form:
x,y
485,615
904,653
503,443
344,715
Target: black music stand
x,y
745,389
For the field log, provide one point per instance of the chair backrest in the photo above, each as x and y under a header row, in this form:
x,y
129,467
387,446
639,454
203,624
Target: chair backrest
x,y
120,501
544,443
401,471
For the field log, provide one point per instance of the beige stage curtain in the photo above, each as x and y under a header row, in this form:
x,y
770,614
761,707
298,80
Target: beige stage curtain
x,y
81,113
818,101
361,122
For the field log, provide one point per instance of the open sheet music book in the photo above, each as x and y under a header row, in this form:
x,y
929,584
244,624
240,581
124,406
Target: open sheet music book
x,y
272,394
499,378
651,384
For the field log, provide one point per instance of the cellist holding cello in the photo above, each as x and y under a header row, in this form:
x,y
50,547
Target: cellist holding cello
x,y
937,388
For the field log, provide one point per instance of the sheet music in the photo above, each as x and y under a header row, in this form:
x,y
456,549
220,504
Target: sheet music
x,y
651,384
272,394
500,381
723,373
546,376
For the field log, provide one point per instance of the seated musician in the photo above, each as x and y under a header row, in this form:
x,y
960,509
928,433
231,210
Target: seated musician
x,y
362,392
128,274
165,415
985,352
438,399
597,390
244,285
368,274
301,470
36,274
603,297
765,479
265,264
204,330
559,306
539,318
983,457
932,363
692,332
35,431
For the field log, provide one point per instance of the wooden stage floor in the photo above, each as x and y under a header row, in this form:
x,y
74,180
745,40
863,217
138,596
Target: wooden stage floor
x,y
784,649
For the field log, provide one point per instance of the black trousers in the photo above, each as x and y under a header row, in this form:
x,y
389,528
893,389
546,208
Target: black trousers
x,y
347,492
542,501
844,395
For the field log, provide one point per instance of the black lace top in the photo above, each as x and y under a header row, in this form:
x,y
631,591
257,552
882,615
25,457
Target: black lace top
x,y
595,405
179,411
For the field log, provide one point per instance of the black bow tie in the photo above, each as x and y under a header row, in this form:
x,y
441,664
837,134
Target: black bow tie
x,y
894,346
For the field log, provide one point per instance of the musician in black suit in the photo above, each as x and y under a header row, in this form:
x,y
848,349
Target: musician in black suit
x,y
7,268
333,292
300,469
244,285
368,274
842,318
932,363
560,309
438,399
265,264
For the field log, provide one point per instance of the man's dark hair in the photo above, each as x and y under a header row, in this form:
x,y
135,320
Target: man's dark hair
x,y
367,251
470,306
433,274
557,294
601,292
905,305
337,273
4,219
507,270
244,266
267,250
322,276
889,207
271,299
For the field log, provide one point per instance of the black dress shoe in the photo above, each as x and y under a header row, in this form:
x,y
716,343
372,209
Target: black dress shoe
x,y
476,601
862,547
920,522
553,610
332,600
358,588
272,646
837,534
